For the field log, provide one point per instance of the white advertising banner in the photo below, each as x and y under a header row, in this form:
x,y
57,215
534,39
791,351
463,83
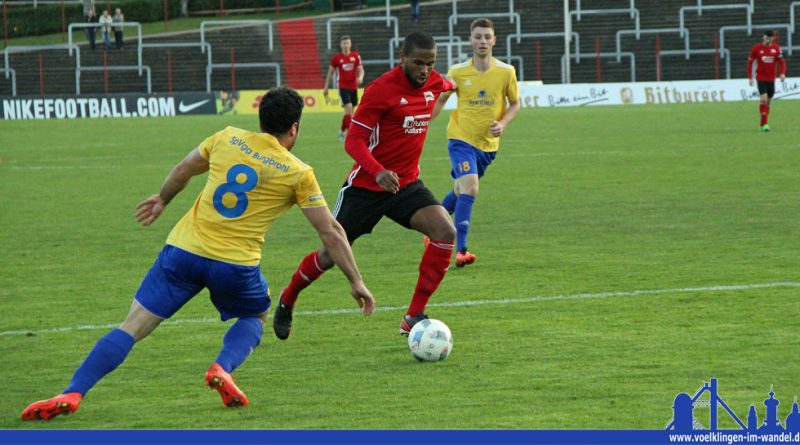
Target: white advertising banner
x,y
536,95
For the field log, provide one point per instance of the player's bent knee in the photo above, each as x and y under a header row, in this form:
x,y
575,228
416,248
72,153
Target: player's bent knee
x,y
468,185
325,260
137,331
140,322
444,231
471,190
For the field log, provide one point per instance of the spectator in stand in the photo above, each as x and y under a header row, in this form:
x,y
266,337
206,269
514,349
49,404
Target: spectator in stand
x,y
414,10
91,18
118,18
105,27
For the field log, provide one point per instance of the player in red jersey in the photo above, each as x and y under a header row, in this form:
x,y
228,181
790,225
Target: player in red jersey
x,y
769,64
386,140
348,66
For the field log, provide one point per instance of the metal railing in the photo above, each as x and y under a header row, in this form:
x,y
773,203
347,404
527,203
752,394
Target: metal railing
x,y
36,3
579,12
139,68
634,15
700,9
7,70
678,52
460,55
510,10
575,37
387,62
394,43
13,74
203,47
629,55
136,25
276,66
514,17
26,49
750,29
389,21
700,5
684,33
206,23
792,16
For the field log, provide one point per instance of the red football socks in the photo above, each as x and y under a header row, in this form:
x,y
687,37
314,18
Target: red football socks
x,y
432,268
764,113
346,122
309,270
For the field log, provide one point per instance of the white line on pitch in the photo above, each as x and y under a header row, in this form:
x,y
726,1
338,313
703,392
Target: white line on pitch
x,y
501,301
318,162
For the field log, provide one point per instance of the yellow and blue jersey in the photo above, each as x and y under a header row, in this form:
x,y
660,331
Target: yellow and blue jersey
x,y
252,180
481,100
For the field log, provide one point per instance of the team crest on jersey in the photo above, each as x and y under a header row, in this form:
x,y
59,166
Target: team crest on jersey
x,y
428,97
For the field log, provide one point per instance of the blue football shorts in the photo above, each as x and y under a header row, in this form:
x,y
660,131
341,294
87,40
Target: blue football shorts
x,y
178,275
468,160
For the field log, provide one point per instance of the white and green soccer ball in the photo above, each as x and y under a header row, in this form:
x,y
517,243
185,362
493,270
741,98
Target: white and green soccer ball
x,y
430,340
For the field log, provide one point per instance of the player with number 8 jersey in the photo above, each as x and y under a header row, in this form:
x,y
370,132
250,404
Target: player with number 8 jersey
x,y
252,180
225,223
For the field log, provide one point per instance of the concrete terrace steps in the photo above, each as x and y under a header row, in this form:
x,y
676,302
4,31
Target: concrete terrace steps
x,y
372,41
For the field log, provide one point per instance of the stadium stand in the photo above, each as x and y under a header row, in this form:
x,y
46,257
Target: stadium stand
x,y
666,40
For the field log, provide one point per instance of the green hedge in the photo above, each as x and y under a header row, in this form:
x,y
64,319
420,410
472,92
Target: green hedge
x,y
46,19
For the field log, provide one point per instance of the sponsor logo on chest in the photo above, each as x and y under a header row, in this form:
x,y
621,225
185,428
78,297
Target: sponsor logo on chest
x,y
416,124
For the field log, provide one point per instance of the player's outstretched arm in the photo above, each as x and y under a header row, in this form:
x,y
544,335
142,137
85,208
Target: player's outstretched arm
x,y
440,104
335,241
151,208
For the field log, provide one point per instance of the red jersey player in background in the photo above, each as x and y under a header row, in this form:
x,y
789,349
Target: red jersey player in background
x,y
769,64
350,71
385,140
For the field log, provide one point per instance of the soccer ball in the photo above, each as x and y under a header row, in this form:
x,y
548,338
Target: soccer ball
x,y
430,340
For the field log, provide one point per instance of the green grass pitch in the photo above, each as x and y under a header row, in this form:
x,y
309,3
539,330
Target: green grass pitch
x,y
583,207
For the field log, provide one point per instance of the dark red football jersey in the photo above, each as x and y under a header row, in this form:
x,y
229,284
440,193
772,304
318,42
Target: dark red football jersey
x,y
769,62
394,116
346,65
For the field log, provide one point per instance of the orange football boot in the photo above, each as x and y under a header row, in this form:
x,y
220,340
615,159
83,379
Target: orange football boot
x,y
217,378
464,258
47,409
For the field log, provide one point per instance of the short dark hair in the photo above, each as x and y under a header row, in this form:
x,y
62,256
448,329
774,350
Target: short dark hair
x,y
769,33
279,109
481,23
417,39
